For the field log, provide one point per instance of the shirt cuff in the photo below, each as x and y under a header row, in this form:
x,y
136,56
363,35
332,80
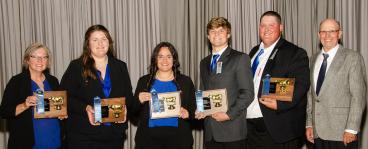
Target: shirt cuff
x,y
351,131
308,126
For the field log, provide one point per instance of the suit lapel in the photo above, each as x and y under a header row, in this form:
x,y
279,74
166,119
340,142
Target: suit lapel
x,y
114,76
336,64
207,62
271,59
313,63
225,56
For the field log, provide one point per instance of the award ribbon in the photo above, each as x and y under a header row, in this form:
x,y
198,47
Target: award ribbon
x,y
40,107
266,85
97,108
199,100
155,101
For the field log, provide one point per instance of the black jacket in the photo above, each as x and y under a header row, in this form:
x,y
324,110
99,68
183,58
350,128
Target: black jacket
x,y
188,102
21,133
290,61
81,93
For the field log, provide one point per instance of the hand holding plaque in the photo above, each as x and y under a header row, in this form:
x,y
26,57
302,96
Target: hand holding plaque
x,y
50,104
211,101
109,110
164,105
278,88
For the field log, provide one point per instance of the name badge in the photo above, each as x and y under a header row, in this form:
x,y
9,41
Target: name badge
x,y
219,68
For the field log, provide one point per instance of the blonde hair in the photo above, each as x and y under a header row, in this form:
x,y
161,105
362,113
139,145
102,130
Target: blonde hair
x,y
30,49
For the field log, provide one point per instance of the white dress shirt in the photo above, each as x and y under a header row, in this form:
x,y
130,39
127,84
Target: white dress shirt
x,y
219,53
254,110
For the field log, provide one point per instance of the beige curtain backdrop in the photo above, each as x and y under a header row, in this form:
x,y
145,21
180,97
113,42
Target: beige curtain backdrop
x,y
138,25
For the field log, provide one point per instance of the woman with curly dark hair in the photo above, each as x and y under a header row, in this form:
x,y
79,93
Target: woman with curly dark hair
x,y
164,76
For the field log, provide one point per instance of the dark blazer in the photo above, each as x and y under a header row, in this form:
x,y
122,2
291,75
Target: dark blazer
x,y
236,77
291,61
21,133
81,93
188,102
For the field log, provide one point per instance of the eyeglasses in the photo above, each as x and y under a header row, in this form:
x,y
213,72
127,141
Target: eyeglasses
x,y
328,32
42,58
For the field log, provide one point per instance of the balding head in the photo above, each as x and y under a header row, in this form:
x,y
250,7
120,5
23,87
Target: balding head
x,y
330,21
329,33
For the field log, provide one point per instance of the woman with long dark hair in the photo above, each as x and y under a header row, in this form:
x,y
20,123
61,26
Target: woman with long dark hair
x,y
96,73
164,76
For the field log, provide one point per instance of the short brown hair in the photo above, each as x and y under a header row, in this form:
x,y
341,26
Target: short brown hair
x,y
272,13
217,22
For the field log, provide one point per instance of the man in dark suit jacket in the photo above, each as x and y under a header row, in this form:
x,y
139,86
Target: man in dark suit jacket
x,y
274,124
229,69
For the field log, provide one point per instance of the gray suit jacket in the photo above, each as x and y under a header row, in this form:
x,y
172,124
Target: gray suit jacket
x,y
341,99
236,77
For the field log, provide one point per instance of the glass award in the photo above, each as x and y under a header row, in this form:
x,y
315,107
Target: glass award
x,y
40,107
199,101
97,108
266,84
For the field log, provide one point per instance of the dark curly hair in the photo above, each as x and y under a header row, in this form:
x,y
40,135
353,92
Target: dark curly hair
x,y
153,66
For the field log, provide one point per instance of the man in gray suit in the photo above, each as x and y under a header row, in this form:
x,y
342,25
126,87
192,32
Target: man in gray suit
x,y
230,69
337,96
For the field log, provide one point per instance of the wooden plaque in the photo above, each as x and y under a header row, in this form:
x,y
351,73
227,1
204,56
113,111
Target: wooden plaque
x,y
214,101
169,105
113,109
281,89
55,105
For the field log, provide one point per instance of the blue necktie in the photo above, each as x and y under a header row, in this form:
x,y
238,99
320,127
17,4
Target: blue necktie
x,y
322,72
256,62
214,62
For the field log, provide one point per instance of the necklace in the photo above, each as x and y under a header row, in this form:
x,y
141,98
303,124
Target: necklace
x,y
163,77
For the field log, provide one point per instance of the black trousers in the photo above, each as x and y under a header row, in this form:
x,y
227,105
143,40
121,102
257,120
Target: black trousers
x,y
259,138
163,138
326,144
225,145
87,141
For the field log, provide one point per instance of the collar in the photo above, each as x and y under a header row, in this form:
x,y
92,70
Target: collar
x,y
221,51
332,52
270,47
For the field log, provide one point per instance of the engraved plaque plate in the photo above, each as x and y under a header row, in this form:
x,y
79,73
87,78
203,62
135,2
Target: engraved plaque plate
x,y
280,89
168,105
55,105
113,109
213,101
